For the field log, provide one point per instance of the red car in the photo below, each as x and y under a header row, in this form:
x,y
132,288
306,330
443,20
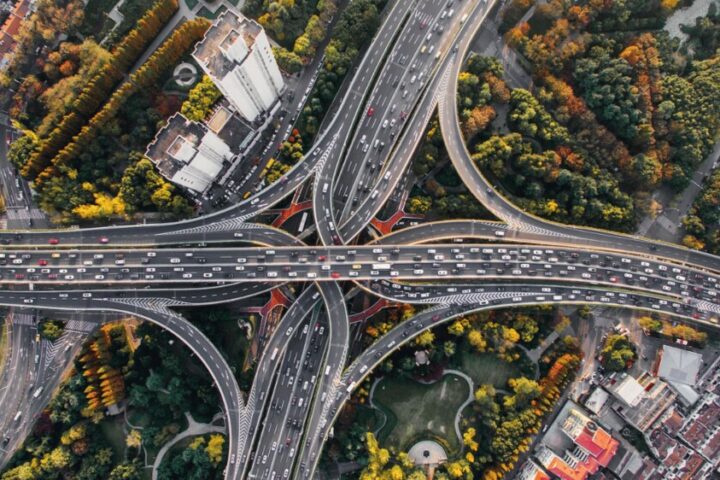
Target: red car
x,y
53,241
371,110
335,275
321,258
42,262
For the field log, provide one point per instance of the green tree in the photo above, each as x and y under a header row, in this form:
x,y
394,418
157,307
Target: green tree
x,y
200,100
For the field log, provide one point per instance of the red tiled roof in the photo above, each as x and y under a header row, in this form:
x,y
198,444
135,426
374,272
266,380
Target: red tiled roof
x,y
599,444
22,8
12,25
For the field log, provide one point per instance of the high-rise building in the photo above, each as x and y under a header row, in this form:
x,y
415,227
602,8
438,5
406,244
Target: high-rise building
x,y
193,154
237,56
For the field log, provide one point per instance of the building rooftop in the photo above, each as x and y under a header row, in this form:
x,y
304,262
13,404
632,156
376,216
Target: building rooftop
x,y
679,365
642,400
597,400
174,144
228,28
630,391
231,128
531,471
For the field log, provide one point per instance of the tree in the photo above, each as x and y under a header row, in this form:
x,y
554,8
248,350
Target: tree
x,y
476,340
134,439
617,352
525,391
214,448
449,348
650,324
425,339
200,100
126,471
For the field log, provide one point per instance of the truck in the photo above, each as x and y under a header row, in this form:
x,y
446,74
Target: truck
x,y
381,266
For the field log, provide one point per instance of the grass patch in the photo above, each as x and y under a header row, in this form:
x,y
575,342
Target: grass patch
x,y
448,177
139,418
486,368
113,432
96,23
205,12
370,418
417,409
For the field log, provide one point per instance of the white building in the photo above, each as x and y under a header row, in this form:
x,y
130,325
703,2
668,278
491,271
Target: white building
x,y
192,154
237,56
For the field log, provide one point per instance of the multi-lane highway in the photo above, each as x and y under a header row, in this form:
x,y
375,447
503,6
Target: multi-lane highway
x,y
277,429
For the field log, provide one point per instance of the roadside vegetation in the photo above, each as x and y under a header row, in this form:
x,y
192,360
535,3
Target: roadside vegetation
x,y
87,125
617,112
84,432
299,27
511,394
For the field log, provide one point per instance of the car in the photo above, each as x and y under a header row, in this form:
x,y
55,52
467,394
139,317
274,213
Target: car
x,y
335,275
103,240
53,241
370,112
28,300
42,262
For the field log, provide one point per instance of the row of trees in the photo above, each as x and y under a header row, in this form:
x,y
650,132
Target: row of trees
x,y
654,326
67,439
81,184
506,426
100,363
97,89
701,221
354,29
305,46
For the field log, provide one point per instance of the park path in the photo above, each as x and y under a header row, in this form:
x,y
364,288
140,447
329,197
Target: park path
x,y
468,401
194,428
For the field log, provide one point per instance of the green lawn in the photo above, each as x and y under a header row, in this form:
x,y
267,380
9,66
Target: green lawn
x,y
418,411
204,12
114,434
486,368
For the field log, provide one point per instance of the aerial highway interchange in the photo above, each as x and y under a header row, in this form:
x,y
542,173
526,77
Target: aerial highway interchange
x,y
302,378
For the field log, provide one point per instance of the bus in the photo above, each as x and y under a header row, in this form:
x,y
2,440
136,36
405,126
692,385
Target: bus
x,y
381,266
37,392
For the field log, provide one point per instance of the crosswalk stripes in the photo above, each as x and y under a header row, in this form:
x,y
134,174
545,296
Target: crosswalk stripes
x,y
51,349
80,326
23,319
151,303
